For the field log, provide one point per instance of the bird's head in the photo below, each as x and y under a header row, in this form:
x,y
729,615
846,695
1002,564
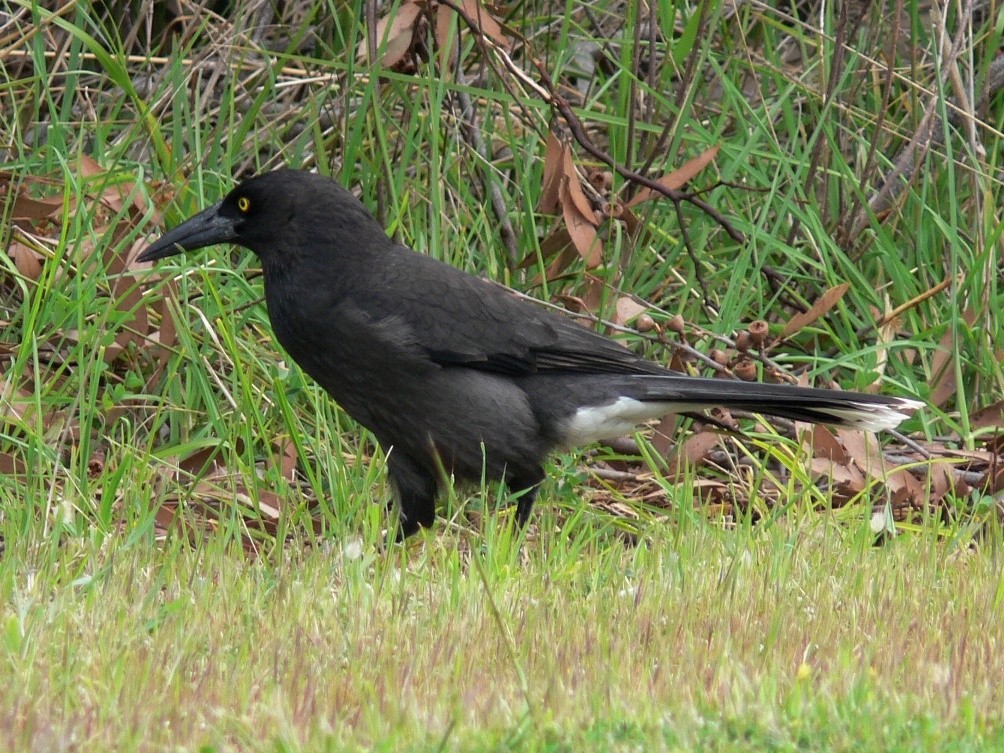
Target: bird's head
x,y
265,213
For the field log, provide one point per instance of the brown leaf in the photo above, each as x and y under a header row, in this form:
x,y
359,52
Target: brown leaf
x,y
88,166
714,496
12,466
846,480
678,178
856,444
990,417
693,452
165,516
556,268
16,403
580,229
553,161
26,260
126,190
942,477
942,373
285,457
627,310
905,487
27,208
445,18
575,192
824,444
593,295
573,304
394,35
489,26
821,307
994,481
866,454
202,462
664,434
135,329
630,220
167,336
270,507
553,244
115,196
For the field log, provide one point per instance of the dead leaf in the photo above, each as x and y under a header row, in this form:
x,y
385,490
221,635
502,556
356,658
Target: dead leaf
x,y
581,229
692,453
487,23
12,466
26,208
284,457
27,262
575,192
846,480
627,310
678,178
201,462
394,35
824,444
820,308
445,18
942,477
943,384
990,417
553,161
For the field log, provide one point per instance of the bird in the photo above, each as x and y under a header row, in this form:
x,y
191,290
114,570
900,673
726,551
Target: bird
x,y
451,373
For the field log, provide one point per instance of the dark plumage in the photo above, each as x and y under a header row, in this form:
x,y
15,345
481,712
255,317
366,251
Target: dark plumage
x,y
450,371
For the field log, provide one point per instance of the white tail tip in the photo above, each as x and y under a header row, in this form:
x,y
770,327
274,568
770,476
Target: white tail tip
x,y
875,416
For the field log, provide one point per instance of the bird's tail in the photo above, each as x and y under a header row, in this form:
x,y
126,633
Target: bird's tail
x,y
851,409
607,406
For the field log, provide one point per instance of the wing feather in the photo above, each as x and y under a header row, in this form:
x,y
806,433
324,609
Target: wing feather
x,y
460,320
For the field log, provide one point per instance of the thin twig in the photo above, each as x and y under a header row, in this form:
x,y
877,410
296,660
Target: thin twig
x,y
473,136
547,91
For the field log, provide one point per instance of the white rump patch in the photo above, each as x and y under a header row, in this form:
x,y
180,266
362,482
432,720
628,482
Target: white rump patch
x,y
622,416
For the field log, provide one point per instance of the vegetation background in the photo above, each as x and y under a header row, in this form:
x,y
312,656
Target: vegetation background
x,y
194,552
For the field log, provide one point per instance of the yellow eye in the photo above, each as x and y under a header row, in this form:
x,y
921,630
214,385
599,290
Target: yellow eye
x,y
244,203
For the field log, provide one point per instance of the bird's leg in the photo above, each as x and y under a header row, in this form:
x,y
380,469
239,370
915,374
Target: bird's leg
x,y
527,480
416,493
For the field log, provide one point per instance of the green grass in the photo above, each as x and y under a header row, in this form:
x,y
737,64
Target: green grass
x,y
147,608
706,638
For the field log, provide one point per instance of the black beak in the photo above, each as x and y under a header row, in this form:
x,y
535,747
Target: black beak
x,y
204,229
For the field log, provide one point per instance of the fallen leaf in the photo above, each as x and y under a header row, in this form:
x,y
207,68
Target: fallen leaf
x,y
942,373
692,453
627,310
575,193
581,229
821,307
26,260
553,161
824,444
394,35
487,23
445,39
284,450
12,466
989,417
678,178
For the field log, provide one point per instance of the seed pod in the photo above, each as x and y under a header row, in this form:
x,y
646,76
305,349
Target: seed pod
x,y
758,332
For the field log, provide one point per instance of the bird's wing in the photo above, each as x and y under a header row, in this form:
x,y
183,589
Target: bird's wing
x,y
462,320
